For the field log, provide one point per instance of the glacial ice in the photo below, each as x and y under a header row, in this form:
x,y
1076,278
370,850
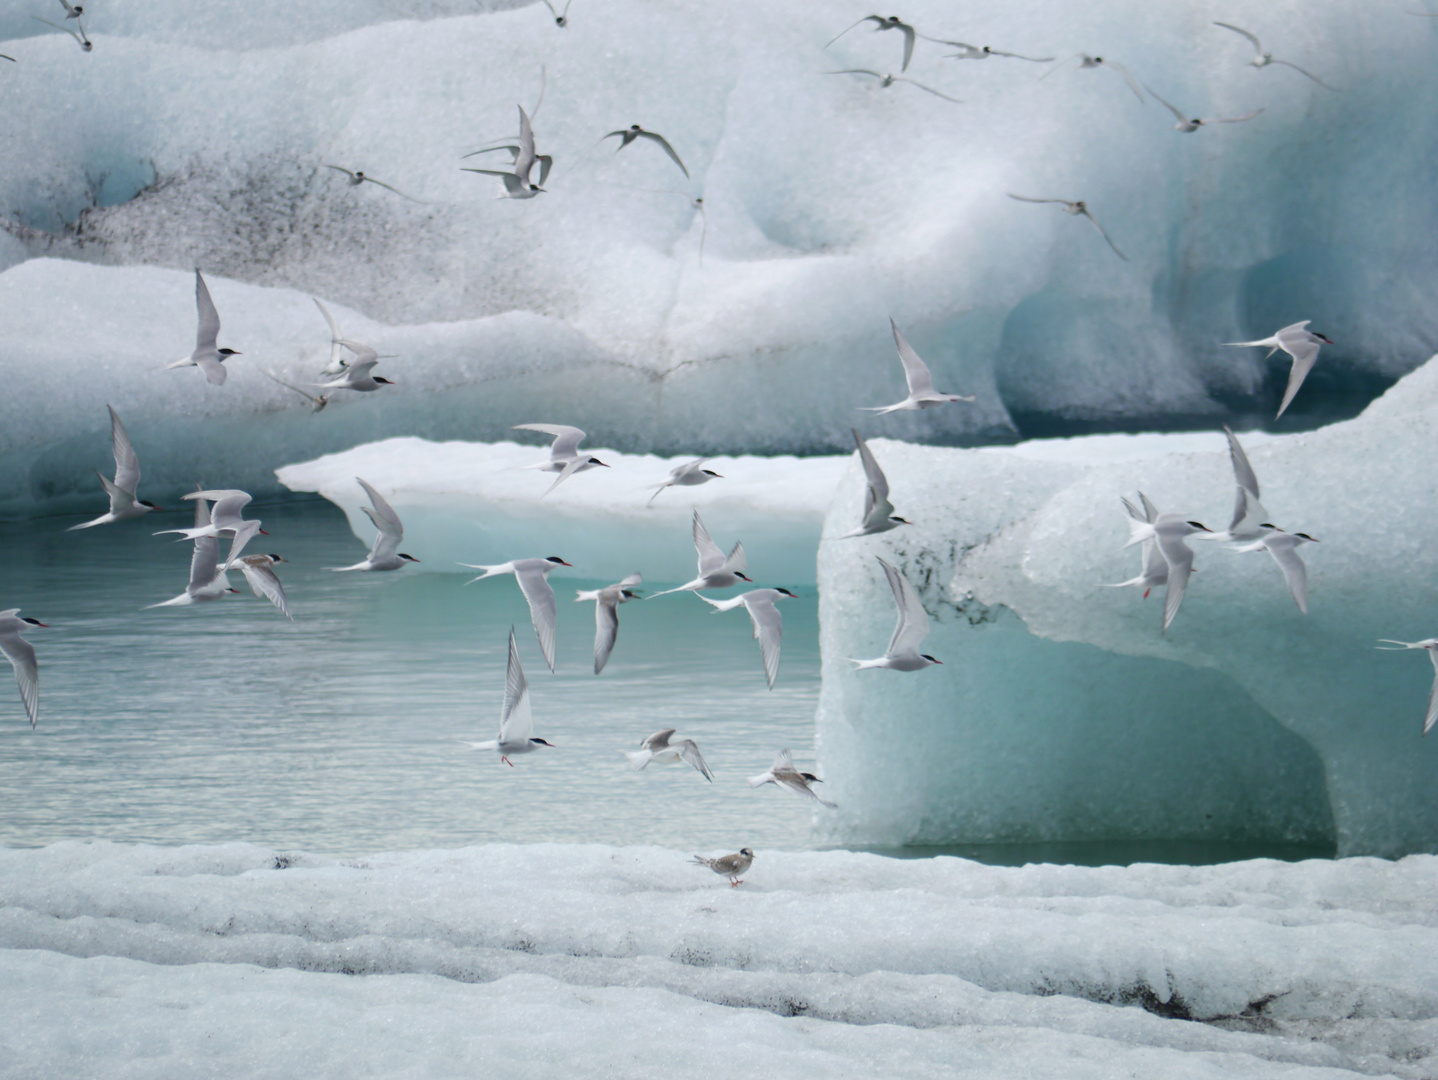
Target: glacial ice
x,y
239,960
1060,711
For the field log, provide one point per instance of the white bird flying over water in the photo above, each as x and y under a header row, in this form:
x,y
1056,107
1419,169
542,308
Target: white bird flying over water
x,y
890,80
385,553
1087,61
259,571
516,720
533,578
1431,644
1281,545
729,866
564,455
606,615
207,580
224,518
922,394
1188,126
690,474
1168,532
357,177
716,570
658,749
1262,59
634,131
123,504
1155,566
783,774
909,632
21,655
879,513
1078,209
207,357
768,622
1298,342
892,22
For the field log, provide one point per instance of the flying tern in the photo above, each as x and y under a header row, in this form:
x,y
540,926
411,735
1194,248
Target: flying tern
x,y
516,720
1187,125
259,571
86,45
768,622
658,749
983,52
922,394
1168,532
123,504
357,177
892,22
561,19
317,401
729,866
606,615
1431,644
1087,61
564,455
1262,59
356,375
207,580
384,554
634,131
783,774
1078,209
206,356
224,518
21,655
890,80
1282,546
533,578
911,629
879,513
1155,566
1298,342
1249,516
337,351
690,474
517,184
716,570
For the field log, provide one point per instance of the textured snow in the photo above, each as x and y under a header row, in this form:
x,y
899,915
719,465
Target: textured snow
x,y
245,961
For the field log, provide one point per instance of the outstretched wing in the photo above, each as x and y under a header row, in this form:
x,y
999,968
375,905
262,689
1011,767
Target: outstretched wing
x,y
21,655
516,721
913,623
916,372
769,629
209,329
710,557
127,463
566,438
537,590
664,143
606,631
391,532
878,487
265,583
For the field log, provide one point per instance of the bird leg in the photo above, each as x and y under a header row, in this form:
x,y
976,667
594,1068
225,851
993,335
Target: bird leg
x,y
506,761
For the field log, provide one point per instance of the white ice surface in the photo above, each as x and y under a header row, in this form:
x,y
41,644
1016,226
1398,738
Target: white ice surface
x,y
535,961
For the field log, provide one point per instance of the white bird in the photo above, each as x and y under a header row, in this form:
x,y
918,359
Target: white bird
x,y
783,774
206,357
634,131
516,720
21,655
337,356
1249,516
564,455
385,553
1168,532
1281,545
892,22
1263,59
716,570
606,617
658,749
911,629
517,184
729,866
690,474
357,177
1431,644
1079,209
561,19
317,402
532,575
879,513
1155,566
224,518
768,622
86,45
356,374
1087,61
1187,125
890,80
259,571
976,52
72,11
207,580
123,504
922,394
1298,342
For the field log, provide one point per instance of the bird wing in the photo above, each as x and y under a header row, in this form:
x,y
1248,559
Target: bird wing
x,y
841,33
21,655
1258,48
658,741
690,753
566,438
516,720
335,334
1105,235
1127,77
930,89
228,505
243,535
341,168
1181,118
365,357
1294,571
264,582
913,623
877,495
204,563
769,629
783,761
1432,717
710,557
606,630
546,162
663,142
1233,119
209,329
572,466
1148,507
1017,56
391,187
908,45
1303,71
291,386
736,559
391,531
1025,198
537,590
916,372
1304,353
1248,512
1179,557
213,369
1242,470
127,463
524,162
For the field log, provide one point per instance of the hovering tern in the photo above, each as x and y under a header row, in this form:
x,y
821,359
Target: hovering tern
x,y
123,504
768,622
356,375
206,356
879,513
1186,125
561,19
207,580
517,183
1431,644
532,575
1078,209
357,177
385,553
1155,566
516,720
564,455
690,474
317,402
634,131
729,866
890,80
1087,61
1281,545
1263,59
922,394
1168,532
85,43
606,617
893,22
911,629
259,571
1300,343
783,774
1249,515
716,570
976,52
224,518
337,356
658,749
21,655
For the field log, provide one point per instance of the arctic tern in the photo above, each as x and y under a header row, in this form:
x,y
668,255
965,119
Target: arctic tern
x,y
634,131
1249,516
1155,566
658,749
729,866
879,513
909,632
892,22
922,394
516,720
1431,644
206,356
123,504
1087,61
1078,209
385,553
783,774
1298,342
1262,59
606,617
317,401
259,571
357,177
224,518
716,570
690,474
517,184
21,655
768,622
977,52
890,80
564,455
86,45
1281,545
533,578
207,580
1168,532
1188,126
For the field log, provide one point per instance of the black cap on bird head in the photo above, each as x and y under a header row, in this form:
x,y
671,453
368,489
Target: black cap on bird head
x,y
152,506
897,520
557,561
33,622
229,352
541,742
743,576
787,593
930,659
811,778
382,379
711,472
596,461
747,851
1200,525
407,558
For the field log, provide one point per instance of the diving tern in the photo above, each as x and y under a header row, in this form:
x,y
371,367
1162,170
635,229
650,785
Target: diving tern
x,y
922,394
716,570
879,513
768,622
385,553
1079,209
1168,532
892,22
1087,61
983,52
1187,125
259,571
1282,546
123,504
86,45
658,749
516,720
317,401
533,578
357,177
890,80
564,455
690,474
1155,566
1262,59
911,629
206,357
1431,644
207,580
729,866
517,184
634,131
1298,342
783,774
21,655
606,617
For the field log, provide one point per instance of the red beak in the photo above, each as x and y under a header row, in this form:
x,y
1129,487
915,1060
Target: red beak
x,y
263,533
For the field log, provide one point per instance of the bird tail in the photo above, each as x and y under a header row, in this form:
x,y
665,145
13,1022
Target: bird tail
x,y
637,758
489,571
761,780
866,663
86,524
700,860
666,592
1138,532
1123,584
586,594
